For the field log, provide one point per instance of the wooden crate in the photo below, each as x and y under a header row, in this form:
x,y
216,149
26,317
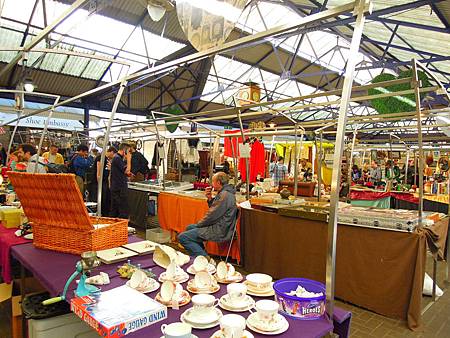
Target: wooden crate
x,y
55,207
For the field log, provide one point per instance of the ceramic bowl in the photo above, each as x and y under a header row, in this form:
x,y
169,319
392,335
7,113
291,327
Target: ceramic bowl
x,y
259,281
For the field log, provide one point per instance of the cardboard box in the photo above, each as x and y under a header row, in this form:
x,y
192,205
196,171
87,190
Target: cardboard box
x,y
118,312
11,217
12,292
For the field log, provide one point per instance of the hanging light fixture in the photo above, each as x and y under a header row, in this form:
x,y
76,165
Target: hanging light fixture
x,y
28,85
157,8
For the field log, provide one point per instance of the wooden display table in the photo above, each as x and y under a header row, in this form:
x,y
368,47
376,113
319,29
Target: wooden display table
x,y
380,270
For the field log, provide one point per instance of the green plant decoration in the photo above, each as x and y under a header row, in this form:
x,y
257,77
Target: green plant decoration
x,y
395,104
173,110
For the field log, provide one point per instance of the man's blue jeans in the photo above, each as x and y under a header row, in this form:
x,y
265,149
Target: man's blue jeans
x,y
192,242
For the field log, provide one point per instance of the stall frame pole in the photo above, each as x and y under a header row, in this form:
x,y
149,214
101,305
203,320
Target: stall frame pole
x,y
247,164
105,147
158,136
339,149
319,166
296,161
350,162
416,85
44,131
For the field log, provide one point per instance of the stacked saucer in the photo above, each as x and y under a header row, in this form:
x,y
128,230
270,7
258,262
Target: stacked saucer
x,y
266,319
259,285
203,283
204,313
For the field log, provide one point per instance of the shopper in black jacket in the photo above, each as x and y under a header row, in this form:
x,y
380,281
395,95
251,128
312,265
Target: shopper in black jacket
x,y
119,182
139,165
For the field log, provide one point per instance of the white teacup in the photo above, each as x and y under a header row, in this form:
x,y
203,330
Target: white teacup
x,y
232,326
225,270
176,330
266,310
171,270
203,280
137,278
236,293
259,281
170,291
203,305
200,263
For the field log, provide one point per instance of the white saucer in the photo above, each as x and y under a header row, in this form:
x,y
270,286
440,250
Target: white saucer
x,y
210,268
219,334
200,326
266,293
215,316
181,278
236,278
153,287
247,305
192,288
283,326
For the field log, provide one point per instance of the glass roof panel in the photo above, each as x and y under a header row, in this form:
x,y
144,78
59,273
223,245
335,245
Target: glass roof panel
x,y
98,33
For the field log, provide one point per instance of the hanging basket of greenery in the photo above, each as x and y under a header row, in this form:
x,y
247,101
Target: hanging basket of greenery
x,y
395,104
173,110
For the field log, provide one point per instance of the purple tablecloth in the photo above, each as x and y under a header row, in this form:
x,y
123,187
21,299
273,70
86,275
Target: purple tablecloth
x,y
52,269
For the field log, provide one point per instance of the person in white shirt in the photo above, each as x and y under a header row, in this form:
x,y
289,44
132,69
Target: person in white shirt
x,y
30,155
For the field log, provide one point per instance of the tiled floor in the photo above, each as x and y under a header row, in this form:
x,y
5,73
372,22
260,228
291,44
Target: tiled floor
x,y
436,321
365,324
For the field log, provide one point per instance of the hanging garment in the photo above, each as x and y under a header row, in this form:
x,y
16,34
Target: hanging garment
x,y
189,151
256,162
231,144
204,161
171,156
158,146
216,152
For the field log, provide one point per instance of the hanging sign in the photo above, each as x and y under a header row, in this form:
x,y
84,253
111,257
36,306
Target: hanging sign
x,y
39,122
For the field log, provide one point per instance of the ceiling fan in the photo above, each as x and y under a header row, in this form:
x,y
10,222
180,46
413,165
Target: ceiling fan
x,y
157,8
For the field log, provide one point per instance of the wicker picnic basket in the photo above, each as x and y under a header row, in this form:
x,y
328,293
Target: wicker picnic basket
x,y
55,207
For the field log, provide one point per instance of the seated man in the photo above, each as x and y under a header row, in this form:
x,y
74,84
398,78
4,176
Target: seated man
x,y
217,224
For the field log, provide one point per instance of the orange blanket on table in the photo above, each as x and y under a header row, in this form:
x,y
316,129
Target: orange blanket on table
x,y
176,212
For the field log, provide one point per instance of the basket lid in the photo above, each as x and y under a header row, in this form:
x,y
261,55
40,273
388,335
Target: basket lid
x,y
51,199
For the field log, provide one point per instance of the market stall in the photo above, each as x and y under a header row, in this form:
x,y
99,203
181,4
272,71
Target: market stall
x,y
377,269
35,260
176,211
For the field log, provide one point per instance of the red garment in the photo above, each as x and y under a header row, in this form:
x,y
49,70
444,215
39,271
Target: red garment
x,y
257,162
229,141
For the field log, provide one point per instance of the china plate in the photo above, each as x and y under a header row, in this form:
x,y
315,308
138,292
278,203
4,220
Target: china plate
x,y
181,278
186,298
142,247
284,326
236,278
192,336
267,293
153,287
200,326
219,334
114,255
210,268
224,305
210,290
